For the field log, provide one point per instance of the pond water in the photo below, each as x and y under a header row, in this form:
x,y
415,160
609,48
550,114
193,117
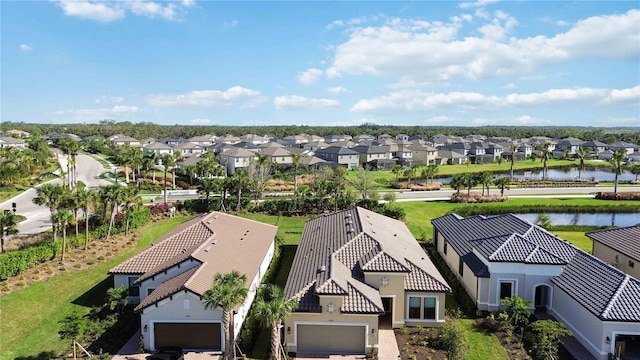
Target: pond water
x,y
593,219
600,174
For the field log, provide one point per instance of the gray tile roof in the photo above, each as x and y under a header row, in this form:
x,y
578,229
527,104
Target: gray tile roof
x,y
503,238
476,265
625,240
605,291
336,250
339,150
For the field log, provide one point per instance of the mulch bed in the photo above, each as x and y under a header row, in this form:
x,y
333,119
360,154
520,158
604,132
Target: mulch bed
x,y
417,344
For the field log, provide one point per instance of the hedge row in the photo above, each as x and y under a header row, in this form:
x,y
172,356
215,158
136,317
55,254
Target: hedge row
x,y
618,196
16,262
489,209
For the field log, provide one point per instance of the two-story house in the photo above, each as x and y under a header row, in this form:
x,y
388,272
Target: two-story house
x,y
235,158
339,156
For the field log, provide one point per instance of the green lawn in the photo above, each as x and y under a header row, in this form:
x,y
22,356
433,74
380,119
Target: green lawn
x,y
482,345
289,228
30,317
577,238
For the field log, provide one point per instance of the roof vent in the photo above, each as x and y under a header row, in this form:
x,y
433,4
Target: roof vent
x,y
207,249
183,251
323,268
214,241
348,215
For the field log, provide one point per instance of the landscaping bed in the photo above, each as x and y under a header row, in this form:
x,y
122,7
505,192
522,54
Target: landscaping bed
x,y
418,343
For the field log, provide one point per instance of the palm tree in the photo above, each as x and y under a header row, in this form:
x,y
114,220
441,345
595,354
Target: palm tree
x,y
124,157
208,186
514,150
581,153
117,298
457,182
502,183
8,226
617,161
131,201
149,163
227,291
167,162
62,218
240,180
51,196
296,159
397,170
114,195
469,181
485,179
86,199
545,155
635,170
177,157
271,309
191,171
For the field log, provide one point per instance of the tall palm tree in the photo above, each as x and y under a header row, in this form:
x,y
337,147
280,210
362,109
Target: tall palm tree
x,y
149,163
86,199
469,181
635,170
51,196
397,170
514,151
8,226
62,217
296,159
167,162
240,180
123,157
617,162
457,183
131,201
177,157
227,291
271,308
581,153
113,195
430,172
208,186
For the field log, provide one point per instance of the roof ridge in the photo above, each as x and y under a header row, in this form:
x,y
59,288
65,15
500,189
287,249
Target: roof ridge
x,y
615,296
349,284
429,275
502,246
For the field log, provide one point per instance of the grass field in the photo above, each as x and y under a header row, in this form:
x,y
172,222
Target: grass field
x,y
31,317
481,344
289,228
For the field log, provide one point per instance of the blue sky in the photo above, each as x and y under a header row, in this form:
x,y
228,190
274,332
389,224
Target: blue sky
x,y
322,63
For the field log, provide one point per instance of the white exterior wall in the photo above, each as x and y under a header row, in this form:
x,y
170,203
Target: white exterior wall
x,y
586,327
154,282
123,279
173,310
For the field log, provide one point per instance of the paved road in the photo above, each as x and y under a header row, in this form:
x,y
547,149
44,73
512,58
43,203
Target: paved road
x,y
39,217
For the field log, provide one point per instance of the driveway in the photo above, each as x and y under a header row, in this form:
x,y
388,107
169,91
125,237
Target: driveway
x,y
130,352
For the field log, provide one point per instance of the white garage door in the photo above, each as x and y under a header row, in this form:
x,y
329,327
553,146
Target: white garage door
x,y
331,339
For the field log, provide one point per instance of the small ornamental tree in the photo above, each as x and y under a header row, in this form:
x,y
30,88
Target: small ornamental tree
x,y
518,311
544,338
453,340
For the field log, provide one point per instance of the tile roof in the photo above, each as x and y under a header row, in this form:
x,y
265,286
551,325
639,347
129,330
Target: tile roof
x,y
221,243
605,291
340,150
336,250
476,265
625,240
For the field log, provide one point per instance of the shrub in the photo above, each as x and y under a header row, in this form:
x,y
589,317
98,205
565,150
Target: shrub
x,y
453,340
476,198
543,338
618,196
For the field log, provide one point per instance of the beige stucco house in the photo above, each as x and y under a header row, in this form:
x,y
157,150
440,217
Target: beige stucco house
x,y
355,272
619,247
169,278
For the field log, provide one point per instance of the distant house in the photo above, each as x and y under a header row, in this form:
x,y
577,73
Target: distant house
x,y
157,148
315,145
334,138
402,137
8,141
188,147
18,133
356,272
450,157
384,137
503,256
203,140
629,147
236,158
254,139
121,140
339,156
359,138
171,141
595,146
278,155
169,278
424,153
568,145
619,247
367,154
228,139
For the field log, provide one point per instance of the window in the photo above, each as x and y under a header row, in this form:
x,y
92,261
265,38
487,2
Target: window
x,y
460,266
414,308
422,307
631,264
429,308
506,289
445,247
134,290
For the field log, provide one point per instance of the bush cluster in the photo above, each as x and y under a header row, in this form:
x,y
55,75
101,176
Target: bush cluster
x,y
554,183
618,196
477,198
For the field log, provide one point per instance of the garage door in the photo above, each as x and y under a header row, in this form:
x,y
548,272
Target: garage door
x,y
332,339
188,335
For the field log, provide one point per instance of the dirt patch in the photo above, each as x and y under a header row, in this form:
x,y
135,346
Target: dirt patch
x,y
418,344
99,251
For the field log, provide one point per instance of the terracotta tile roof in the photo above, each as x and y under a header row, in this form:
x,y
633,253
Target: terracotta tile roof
x,y
183,237
336,250
166,289
226,243
625,240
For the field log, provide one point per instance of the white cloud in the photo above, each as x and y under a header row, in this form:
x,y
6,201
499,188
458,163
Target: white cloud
x,y
295,102
476,4
25,47
98,11
309,76
205,98
199,121
107,11
338,90
115,112
416,100
435,51
440,120
510,86
562,23
230,24
107,98
152,9
625,121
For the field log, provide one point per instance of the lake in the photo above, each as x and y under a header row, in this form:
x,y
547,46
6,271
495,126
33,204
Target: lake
x,y
593,219
600,174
